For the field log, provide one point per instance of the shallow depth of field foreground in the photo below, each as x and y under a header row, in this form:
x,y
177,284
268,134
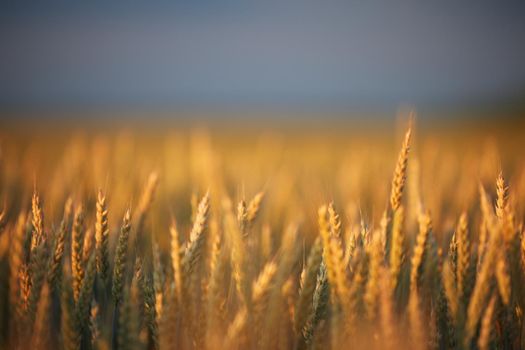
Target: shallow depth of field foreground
x,y
199,239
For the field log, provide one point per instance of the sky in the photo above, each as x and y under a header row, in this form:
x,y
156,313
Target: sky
x,y
260,53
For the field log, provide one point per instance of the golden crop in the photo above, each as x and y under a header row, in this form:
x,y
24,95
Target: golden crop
x,y
189,239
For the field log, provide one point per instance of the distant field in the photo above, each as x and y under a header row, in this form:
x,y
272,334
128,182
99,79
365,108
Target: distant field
x,y
326,234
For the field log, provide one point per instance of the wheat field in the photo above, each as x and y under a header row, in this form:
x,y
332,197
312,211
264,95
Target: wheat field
x,y
211,239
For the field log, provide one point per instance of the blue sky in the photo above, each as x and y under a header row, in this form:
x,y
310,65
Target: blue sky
x,y
264,53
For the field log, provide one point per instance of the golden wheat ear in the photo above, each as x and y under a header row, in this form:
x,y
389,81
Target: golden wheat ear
x,y
102,238
194,248
37,220
399,179
502,196
420,250
55,264
77,242
254,207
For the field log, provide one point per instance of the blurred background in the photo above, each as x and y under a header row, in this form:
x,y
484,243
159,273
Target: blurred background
x,y
273,61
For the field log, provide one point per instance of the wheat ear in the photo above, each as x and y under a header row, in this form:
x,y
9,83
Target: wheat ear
x,y
502,194
102,238
121,253
304,305
418,256
55,265
195,245
37,221
77,241
399,179
463,256
254,207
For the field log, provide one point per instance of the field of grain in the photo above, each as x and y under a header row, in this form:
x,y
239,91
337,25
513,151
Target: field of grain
x,y
381,238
